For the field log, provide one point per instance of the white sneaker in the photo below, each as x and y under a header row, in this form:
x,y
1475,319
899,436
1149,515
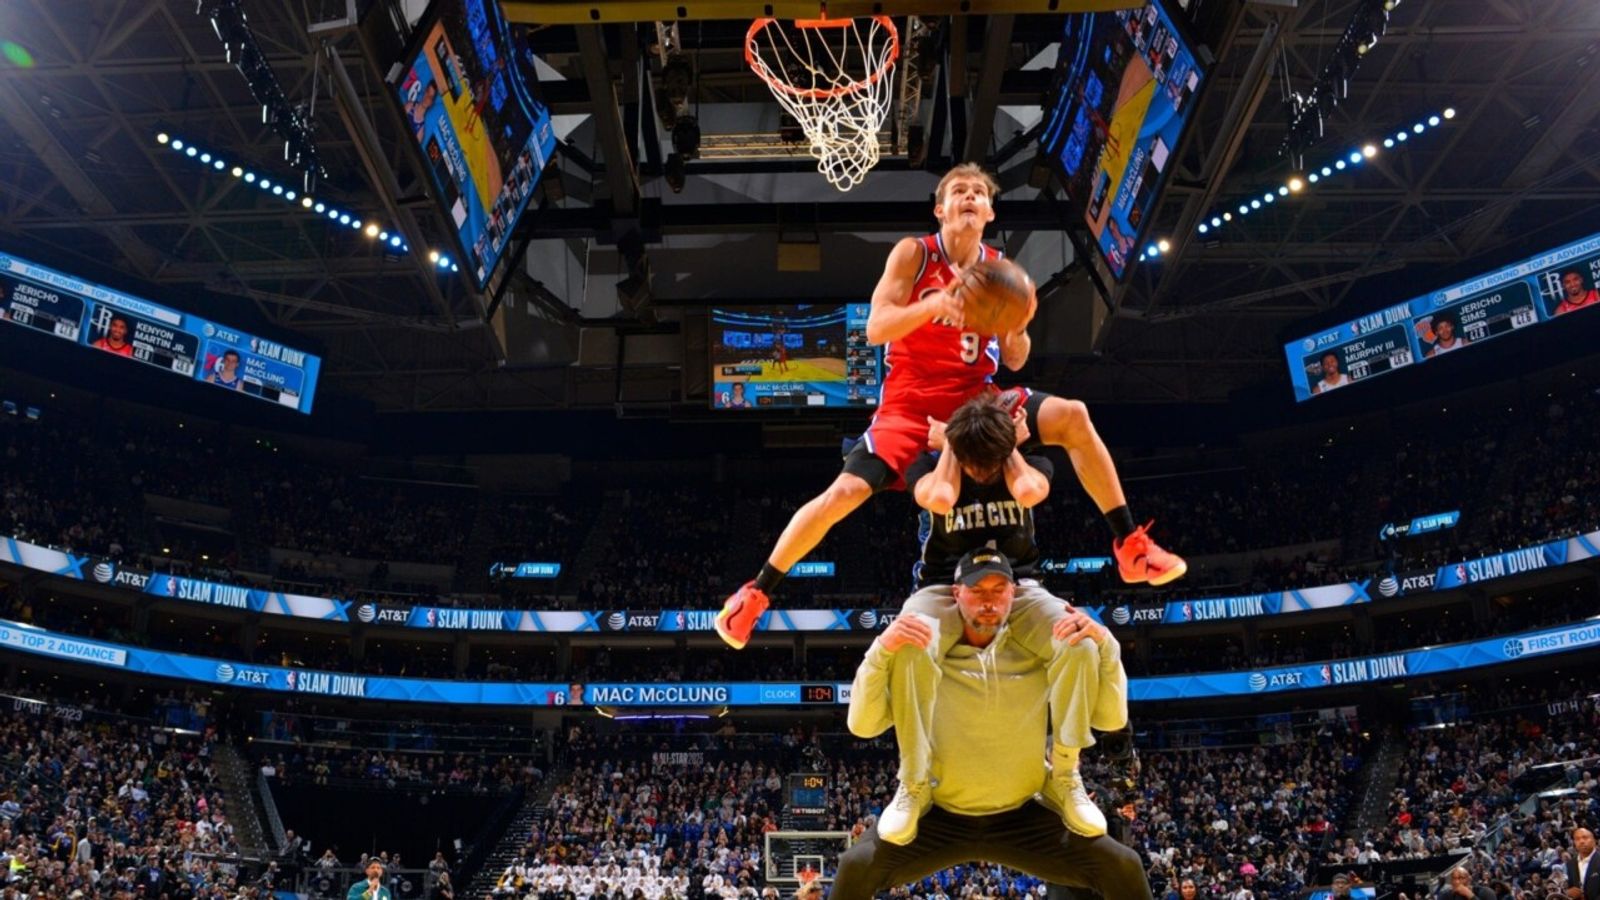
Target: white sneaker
x,y
1079,812
897,824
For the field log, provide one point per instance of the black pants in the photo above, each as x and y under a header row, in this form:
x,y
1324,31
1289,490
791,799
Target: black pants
x,y
1030,839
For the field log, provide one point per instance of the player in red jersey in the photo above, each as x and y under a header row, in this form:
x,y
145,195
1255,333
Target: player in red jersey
x,y
934,366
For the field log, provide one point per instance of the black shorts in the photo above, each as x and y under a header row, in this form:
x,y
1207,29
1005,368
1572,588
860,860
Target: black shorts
x,y
880,476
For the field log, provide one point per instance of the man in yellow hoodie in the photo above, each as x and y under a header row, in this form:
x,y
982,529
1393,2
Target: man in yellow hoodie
x,y
990,793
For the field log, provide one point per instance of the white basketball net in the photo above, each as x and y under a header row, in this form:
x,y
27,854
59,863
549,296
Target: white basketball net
x,y
833,77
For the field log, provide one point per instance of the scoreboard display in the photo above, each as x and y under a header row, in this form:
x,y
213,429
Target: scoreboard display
x,y
1535,292
807,794
777,357
98,318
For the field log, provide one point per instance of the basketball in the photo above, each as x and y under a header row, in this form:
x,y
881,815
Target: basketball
x,y
997,296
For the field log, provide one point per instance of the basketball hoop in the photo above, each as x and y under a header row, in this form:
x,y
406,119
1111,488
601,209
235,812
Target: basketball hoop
x,y
832,75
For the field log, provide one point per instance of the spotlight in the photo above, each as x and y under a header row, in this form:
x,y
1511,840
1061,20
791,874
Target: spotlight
x,y
290,195
204,157
1355,156
237,171
191,151
1326,171
1450,112
1313,178
1388,142
1402,137
321,208
1339,165
1164,245
433,256
454,267
1433,121
162,138
1296,185
1152,251
277,190
333,214
1389,5
444,262
394,240
177,144
1255,204
1269,198
356,224
1417,128
1216,222
1369,151
1283,191
250,178
1204,228
265,184
1244,210
344,219
383,235
219,165
305,202
1227,217
372,231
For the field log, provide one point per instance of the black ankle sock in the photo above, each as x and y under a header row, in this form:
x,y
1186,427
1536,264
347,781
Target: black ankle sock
x,y
770,577
1121,521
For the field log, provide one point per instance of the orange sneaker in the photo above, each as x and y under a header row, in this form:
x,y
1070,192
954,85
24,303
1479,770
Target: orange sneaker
x,y
1141,560
740,614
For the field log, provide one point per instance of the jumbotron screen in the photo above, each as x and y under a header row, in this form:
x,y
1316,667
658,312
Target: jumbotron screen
x,y
775,357
1128,87
484,139
1529,293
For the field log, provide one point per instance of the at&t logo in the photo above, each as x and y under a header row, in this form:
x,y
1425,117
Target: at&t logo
x,y
1121,615
104,572
1388,586
224,673
868,619
366,612
1258,681
616,621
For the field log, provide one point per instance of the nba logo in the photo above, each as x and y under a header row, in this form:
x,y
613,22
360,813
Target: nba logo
x,y
172,587
432,617
679,622
291,678
1187,612
1461,574
1327,674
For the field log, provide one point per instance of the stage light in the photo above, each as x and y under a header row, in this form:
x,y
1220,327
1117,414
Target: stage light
x,y
1339,165
1296,185
1450,112
356,224
305,202
1326,171
333,214
1283,191
344,219
1417,128
177,144
237,171
1313,178
289,195
321,208
444,262
1402,137
433,256
162,138
205,157
1244,210
250,177
1388,142
1152,251
1433,121
383,235
372,231
1216,222
1369,151
1227,217
454,267
1355,156
1255,204
190,152
265,183
1204,228
1164,245
394,240
219,165
277,190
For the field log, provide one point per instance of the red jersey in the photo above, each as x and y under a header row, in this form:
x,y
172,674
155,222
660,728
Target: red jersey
x,y
936,368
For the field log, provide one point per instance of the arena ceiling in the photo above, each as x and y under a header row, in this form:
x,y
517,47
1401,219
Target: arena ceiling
x,y
81,175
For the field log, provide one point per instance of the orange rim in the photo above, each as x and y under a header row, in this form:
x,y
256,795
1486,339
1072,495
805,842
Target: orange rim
x,y
773,82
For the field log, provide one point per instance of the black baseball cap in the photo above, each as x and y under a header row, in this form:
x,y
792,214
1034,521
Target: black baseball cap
x,y
980,562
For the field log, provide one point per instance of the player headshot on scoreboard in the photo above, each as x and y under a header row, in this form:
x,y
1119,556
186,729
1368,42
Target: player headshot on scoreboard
x,y
1332,375
1577,292
1447,334
117,338
575,694
738,400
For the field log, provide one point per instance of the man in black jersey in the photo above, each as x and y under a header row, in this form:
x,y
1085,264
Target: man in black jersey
x,y
979,491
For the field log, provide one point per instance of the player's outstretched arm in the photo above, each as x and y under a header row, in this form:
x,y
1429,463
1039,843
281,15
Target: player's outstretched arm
x,y
893,314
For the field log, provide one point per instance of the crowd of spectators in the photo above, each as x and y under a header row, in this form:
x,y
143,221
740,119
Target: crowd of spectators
x,y
477,773
103,809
